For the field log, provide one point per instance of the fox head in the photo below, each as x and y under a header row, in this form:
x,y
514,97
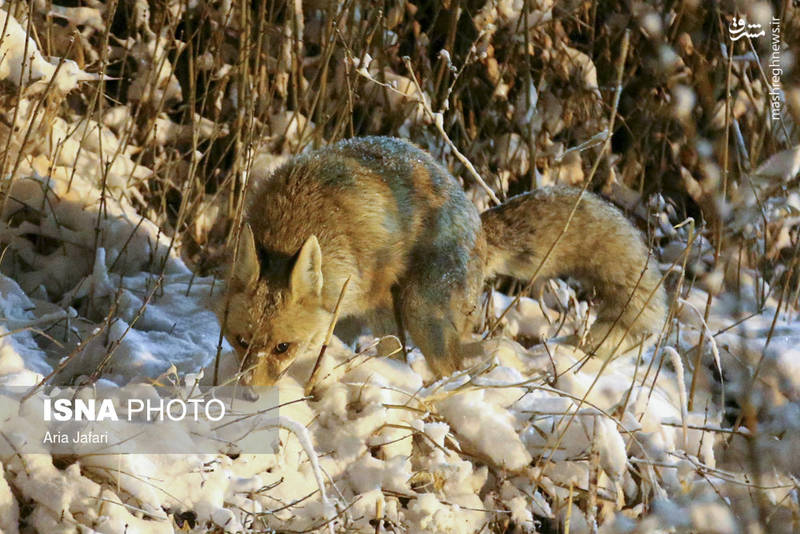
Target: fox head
x,y
271,322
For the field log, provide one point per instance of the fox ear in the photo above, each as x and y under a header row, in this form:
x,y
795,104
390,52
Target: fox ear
x,y
245,267
306,277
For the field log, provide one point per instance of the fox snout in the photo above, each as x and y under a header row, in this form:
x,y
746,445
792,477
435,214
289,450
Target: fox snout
x,y
263,368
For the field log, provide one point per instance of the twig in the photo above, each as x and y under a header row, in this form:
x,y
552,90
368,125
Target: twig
x,y
312,380
714,350
568,517
438,121
678,365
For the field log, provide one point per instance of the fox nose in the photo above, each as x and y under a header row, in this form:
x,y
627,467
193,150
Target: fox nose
x,y
249,394
247,391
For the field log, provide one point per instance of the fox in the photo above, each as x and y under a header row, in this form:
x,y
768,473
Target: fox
x,y
381,213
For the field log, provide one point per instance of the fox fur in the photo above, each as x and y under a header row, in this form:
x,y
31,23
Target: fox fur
x,y
384,214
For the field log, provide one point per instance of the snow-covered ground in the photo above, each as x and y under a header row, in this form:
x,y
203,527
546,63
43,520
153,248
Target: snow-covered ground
x,y
530,435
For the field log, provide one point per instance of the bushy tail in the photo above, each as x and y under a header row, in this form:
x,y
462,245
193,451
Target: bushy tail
x,y
600,248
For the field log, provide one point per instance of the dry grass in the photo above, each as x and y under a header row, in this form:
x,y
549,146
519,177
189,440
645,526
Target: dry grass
x,y
211,95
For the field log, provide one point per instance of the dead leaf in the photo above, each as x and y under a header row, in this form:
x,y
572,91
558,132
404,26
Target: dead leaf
x,y
783,165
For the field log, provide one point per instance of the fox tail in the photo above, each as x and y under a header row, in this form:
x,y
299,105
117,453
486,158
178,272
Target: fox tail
x,y
526,237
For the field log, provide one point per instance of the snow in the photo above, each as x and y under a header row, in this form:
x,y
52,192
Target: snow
x,y
380,441
21,69
487,428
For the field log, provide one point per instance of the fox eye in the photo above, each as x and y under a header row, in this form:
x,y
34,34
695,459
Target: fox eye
x,y
280,348
242,342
